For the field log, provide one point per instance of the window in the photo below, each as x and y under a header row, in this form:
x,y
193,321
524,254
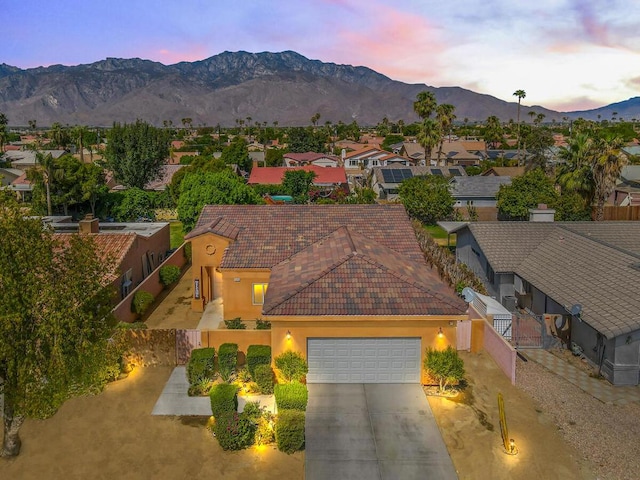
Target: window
x,y
374,163
259,291
353,163
126,283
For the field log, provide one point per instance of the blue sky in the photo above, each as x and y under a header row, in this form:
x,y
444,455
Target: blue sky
x,y
566,54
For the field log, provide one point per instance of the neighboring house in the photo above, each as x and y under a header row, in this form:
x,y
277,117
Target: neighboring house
x,y
386,181
552,269
346,285
26,159
477,191
327,179
175,158
166,175
137,248
258,159
627,191
8,175
504,172
310,158
453,153
23,187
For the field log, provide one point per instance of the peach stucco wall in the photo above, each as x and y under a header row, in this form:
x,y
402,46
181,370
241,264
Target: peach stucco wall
x,y
237,293
206,251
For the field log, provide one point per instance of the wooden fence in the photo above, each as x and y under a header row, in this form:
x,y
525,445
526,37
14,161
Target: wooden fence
x,y
611,212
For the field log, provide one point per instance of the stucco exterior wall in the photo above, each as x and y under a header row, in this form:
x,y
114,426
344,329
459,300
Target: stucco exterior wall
x,y
238,293
206,255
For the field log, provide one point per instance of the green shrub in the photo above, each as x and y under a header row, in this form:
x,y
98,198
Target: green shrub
x,y
224,399
227,360
234,431
258,355
253,411
188,251
264,378
235,324
292,366
290,431
201,365
264,429
445,366
141,302
243,375
263,324
132,326
291,396
169,274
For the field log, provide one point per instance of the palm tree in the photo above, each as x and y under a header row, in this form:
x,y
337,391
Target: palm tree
x,y
428,137
607,165
520,94
444,117
493,132
425,104
575,174
79,133
46,168
314,120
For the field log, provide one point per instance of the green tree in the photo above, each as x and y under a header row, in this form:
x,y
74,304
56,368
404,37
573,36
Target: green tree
x,y
428,137
80,134
520,94
445,366
444,118
136,152
525,192
237,153
391,140
427,199
59,135
425,104
297,184
493,134
92,184
607,166
136,205
3,131
55,321
301,140
208,188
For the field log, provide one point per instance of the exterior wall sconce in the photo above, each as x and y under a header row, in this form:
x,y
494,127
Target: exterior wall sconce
x,y
513,450
440,333
288,335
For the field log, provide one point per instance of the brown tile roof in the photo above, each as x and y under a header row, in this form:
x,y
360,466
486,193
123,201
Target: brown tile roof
x,y
505,171
268,234
348,274
218,226
275,175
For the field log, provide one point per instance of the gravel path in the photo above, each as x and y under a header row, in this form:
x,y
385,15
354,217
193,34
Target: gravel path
x,y
608,436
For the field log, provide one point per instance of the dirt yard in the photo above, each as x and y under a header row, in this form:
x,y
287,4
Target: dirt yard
x,y
471,430
113,436
174,310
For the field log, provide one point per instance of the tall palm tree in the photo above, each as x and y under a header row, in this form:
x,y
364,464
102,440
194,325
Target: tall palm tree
x,y
444,117
520,94
425,104
79,134
46,167
574,174
428,137
607,166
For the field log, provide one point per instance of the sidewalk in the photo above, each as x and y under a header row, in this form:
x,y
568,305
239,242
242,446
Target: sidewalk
x,y
598,388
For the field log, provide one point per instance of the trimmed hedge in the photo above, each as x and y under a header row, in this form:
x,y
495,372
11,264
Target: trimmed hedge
x,y
227,360
142,300
292,366
235,324
169,274
291,396
290,431
264,378
224,399
132,326
201,365
258,355
235,431
263,324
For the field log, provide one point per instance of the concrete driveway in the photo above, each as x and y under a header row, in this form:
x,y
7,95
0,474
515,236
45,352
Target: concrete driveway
x,y
373,431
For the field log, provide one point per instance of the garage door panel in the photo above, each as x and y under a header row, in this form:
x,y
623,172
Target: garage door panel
x,y
363,360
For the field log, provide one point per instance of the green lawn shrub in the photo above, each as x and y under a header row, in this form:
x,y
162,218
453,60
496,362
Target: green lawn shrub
x,y
292,366
169,274
263,324
234,431
290,431
291,396
445,366
258,355
132,326
265,379
224,399
227,360
201,365
235,324
142,300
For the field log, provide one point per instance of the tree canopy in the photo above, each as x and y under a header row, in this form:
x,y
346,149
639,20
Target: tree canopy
x,y
525,192
136,152
55,320
427,199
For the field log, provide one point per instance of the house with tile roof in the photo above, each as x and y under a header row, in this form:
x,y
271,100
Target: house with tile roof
x,y
346,285
585,274
386,181
327,180
453,153
310,158
476,191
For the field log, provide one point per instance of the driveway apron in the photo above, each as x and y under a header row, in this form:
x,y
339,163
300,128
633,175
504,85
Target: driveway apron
x,y
373,431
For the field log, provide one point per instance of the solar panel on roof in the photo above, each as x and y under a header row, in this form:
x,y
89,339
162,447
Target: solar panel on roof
x,y
454,173
387,176
401,174
436,171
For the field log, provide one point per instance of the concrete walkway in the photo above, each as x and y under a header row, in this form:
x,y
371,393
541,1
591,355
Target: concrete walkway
x,y
373,431
175,400
212,315
598,388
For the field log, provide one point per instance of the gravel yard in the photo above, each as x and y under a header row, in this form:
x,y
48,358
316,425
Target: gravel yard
x,y
607,436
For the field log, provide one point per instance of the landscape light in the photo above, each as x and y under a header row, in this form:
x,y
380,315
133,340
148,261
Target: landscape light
x,y
288,335
440,334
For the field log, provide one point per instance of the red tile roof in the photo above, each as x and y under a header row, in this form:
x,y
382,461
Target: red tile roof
x,y
275,175
265,235
348,274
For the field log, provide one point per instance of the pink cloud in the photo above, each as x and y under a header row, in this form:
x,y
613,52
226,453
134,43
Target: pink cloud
x,y
169,56
574,104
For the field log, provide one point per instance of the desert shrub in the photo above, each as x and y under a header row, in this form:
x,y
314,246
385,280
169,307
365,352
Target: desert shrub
x,y
200,388
227,360
169,274
263,324
258,355
291,396
264,378
264,429
201,365
234,431
132,326
445,366
292,366
235,324
243,375
253,411
290,431
224,399
141,302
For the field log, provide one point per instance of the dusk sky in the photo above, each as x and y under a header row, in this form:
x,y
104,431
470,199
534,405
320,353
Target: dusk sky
x,y
566,54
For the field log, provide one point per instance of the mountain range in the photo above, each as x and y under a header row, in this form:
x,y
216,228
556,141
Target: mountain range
x,y
285,87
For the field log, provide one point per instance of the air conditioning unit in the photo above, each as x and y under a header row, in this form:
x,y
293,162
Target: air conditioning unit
x,y
510,303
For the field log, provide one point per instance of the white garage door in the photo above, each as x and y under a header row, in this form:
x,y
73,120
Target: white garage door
x,y
363,360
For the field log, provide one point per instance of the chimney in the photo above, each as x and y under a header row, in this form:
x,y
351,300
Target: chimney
x,y
89,224
541,214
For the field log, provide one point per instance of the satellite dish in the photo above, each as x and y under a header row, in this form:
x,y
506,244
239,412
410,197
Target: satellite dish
x,y
576,309
468,294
